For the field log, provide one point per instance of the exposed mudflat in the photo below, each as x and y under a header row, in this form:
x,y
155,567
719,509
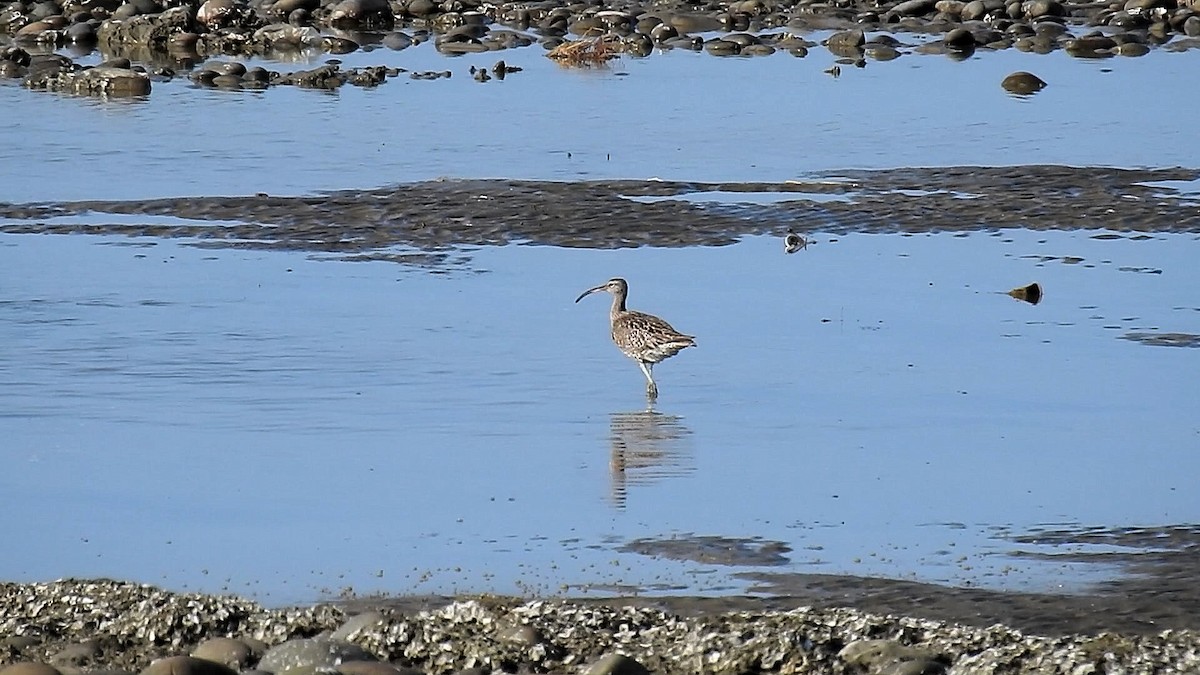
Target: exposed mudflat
x,y
613,214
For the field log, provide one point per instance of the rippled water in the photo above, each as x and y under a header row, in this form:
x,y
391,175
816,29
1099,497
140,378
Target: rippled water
x,y
285,424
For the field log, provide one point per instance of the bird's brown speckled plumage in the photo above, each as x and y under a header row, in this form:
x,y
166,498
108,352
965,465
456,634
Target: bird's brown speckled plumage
x,y
645,338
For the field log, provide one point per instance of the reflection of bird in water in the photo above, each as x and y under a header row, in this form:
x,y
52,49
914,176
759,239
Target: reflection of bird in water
x,y
793,242
644,338
646,446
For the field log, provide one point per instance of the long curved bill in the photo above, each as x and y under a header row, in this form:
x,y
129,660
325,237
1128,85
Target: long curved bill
x,y
590,291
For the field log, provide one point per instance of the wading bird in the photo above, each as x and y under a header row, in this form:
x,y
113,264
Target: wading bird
x,y
645,338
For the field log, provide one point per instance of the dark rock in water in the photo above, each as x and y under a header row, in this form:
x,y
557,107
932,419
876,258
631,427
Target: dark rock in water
x,y
81,33
420,8
879,52
286,35
1031,293
397,41
153,30
362,13
913,8
1133,49
959,38
1039,8
369,77
48,65
322,77
847,44
694,22
663,32
282,8
719,47
338,45
1091,46
227,81
1023,83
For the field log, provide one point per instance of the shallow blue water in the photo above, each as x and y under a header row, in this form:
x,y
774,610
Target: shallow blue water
x,y
285,425
678,115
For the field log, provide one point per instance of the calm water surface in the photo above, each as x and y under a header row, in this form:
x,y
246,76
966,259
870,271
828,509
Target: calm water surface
x,y
285,425
678,115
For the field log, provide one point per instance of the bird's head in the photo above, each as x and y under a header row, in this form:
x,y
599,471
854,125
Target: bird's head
x,y
616,286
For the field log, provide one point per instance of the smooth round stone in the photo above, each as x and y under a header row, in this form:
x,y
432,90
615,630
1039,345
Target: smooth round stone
x,y
338,45
212,12
357,623
397,41
638,45
461,47
720,47
647,22
663,32
1040,8
421,7
81,32
255,74
187,665
1191,26
973,11
522,635
358,10
743,39
1023,83
1092,46
320,652
691,42
34,29
959,38
758,50
286,7
695,23
29,668
375,667
879,52
846,43
80,653
227,81
616,664
231,652
1133,49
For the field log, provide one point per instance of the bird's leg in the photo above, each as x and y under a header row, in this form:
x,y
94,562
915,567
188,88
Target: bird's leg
x,y
651,388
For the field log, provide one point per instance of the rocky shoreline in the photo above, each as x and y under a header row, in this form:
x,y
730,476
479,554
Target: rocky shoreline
x,y
143,41
110,627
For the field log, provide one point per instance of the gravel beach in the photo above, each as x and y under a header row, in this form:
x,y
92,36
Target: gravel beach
x,y
112,627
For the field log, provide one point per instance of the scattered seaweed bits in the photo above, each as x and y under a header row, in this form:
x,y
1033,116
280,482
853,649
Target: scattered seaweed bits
x,y
1031,293
794,242
592,51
